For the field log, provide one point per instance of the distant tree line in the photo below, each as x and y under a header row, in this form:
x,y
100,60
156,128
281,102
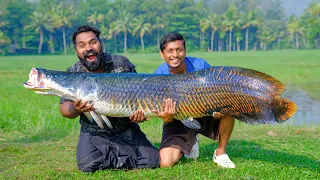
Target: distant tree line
x,y
46,26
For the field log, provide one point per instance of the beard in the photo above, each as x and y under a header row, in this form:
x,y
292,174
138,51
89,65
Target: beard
x,y
93,65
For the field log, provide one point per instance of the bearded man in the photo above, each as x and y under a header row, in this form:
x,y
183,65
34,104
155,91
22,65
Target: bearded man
x,y
121,144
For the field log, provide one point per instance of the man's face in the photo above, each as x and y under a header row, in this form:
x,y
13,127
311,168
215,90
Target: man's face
x,y
174,53
89,50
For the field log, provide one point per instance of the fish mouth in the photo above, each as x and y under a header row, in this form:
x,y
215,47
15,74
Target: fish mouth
x,y
36,81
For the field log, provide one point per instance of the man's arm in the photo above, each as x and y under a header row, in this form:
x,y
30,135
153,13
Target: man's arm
x,y
72,109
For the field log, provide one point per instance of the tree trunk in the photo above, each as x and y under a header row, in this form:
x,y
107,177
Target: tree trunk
x,y
297,40
226,43
52,51
158,38
64,40
104,45
200,39
316,43
234,42
292,40
142,43
279,43
41,41
238,45
230,40
115,42
24,39
247,38
125,41
212,39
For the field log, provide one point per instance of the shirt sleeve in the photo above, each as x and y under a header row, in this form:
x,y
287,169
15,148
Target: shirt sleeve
x,y
206,65
162,69
158,71
131,68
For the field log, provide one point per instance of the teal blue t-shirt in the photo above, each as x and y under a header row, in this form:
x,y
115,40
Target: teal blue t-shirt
x,y
193,64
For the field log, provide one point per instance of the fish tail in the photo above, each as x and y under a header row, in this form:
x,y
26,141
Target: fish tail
x,y
283,109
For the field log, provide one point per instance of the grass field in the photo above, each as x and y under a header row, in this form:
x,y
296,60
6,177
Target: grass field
x,y
36,142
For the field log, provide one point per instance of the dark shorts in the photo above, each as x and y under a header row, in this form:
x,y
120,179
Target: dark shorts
x,y
129,150
178,136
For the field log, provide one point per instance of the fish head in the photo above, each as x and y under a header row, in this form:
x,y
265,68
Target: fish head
x,y
38,81
48,82
61,83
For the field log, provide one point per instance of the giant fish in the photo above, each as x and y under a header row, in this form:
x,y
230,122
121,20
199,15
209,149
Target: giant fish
x,y
249,96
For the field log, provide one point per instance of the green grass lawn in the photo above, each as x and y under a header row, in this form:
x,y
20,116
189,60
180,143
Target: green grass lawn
x,y
36,142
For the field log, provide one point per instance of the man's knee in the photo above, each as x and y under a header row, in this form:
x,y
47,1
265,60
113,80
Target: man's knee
x,y
88,167
89,164
167,164
169,157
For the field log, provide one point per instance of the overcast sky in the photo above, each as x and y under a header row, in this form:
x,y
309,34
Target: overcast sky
x,y
296,7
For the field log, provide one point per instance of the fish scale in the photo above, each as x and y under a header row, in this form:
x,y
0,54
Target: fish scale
x,y
248,95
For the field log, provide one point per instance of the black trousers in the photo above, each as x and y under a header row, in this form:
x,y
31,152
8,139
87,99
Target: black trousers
x,y
128,150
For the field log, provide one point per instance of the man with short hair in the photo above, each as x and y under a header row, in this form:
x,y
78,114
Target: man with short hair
x,y
123,144
178,139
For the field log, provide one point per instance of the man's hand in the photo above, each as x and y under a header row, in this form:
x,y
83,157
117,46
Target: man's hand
x,y
72,109
138,117
217,115
169,111
83,106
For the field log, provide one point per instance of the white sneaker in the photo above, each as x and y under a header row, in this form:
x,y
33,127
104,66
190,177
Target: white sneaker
x,y
194,153
223,160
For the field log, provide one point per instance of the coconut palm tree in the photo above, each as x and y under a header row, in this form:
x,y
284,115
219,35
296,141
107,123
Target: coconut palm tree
x,y
210,23
203,29
230,21
249,20
114,31
40,22
222,36
314,9
4,41
104,35
63,16
314,21
140,26
95,18
239,38
296,29
265,36
123,24
158,26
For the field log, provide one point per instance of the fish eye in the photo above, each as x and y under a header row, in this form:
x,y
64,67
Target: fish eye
x,y
48,75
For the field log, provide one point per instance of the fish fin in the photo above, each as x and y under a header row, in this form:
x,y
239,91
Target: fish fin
x,y
283,109
107,121
278,86
265,117
97,119
90,118
191,123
